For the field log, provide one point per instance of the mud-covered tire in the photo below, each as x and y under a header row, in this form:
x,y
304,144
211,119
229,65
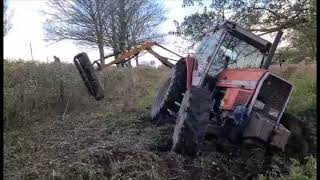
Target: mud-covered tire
x,y
192,121
89,76
298,140
169,92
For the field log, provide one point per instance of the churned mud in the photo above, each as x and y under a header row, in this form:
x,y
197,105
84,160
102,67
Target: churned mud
x,y
121,146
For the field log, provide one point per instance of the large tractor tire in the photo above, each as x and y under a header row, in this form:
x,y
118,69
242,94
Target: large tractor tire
x,y
298,142
170,92
192,121
89,76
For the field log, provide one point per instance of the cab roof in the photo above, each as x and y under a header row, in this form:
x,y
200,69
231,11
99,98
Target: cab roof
x,y
246,36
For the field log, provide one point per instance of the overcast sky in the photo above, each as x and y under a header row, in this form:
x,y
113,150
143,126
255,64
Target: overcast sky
x,y
27,29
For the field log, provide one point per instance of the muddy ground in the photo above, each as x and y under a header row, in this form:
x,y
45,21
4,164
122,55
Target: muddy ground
x,y
105,145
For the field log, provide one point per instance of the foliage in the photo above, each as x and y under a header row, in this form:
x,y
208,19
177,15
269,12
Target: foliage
x,y
303,101
291,55
307,171
263,16
197,23
298,171
296,18
303,38
7,25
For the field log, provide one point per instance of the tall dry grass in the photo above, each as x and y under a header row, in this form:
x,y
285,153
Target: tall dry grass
x,y
33,90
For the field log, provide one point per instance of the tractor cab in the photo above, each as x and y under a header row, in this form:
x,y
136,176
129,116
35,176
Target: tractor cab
x,y
228,46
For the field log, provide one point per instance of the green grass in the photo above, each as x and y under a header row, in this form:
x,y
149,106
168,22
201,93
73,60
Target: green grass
x,y
303,100
306,171
298,171
303,105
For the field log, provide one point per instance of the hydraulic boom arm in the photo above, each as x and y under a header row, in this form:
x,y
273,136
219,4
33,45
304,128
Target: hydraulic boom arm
x,y
127,55
88,72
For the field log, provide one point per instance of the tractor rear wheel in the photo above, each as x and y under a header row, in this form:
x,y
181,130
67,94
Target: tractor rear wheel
x,y
192,121
169,93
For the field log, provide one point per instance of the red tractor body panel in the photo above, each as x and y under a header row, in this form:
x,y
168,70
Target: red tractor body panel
x,y
240,85
236,96
240,78
189,63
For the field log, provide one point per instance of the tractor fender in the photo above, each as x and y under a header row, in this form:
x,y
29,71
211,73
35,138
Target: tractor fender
x,y
189,63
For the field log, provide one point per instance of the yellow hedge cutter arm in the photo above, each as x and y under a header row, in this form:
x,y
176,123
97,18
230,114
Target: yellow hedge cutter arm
x,y
88,72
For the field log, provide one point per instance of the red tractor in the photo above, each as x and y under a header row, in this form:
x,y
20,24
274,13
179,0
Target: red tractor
x,y
226,90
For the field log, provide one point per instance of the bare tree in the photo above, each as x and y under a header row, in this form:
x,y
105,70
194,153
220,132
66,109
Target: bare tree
x,y
7,25
117,24
79,20
132,22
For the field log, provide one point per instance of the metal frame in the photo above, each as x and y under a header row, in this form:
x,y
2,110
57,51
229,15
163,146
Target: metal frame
x,y
197,80
257,91
238,32
129,54
246,36
285,105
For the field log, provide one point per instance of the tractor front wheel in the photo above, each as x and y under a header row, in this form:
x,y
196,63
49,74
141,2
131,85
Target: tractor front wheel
x,y
192,121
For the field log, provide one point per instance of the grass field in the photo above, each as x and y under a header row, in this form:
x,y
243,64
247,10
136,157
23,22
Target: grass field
x,y
55,130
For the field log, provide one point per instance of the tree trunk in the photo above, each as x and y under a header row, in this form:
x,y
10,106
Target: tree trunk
x,y
100,35
137,63
123,26
129,64
101,52
115,50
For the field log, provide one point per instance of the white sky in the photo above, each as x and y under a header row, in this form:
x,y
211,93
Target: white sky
x,y
27,28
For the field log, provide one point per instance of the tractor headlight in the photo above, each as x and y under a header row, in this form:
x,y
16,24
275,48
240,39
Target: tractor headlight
x,y
259,105
273,112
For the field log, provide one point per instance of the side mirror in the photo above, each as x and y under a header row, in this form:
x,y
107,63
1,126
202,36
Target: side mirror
x,y
226,62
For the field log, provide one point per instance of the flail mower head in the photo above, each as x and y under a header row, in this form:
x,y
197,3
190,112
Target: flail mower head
x,y
89,76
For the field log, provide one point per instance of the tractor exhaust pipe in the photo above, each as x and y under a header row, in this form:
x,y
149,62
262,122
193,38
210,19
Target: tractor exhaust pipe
x,y
273,50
